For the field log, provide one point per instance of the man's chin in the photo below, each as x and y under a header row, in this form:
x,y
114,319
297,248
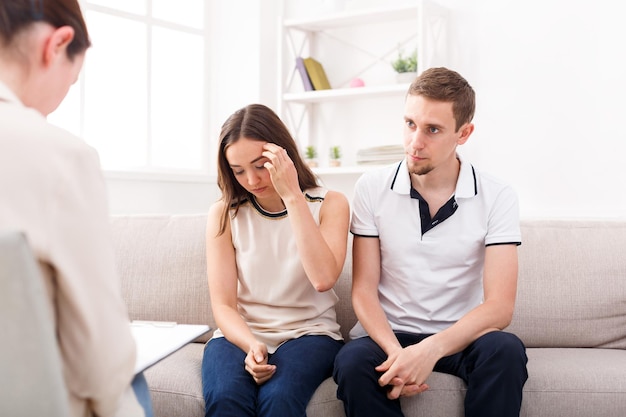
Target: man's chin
x,y
420,170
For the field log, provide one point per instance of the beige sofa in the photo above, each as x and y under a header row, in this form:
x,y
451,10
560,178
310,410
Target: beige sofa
x,y
570,312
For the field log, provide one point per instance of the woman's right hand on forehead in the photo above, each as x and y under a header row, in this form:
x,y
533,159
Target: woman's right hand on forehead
x,y
282,170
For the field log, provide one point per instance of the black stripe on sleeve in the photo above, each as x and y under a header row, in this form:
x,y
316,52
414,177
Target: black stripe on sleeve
x,y
504,243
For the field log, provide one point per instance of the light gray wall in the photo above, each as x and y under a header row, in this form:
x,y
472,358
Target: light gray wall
x,y
549,76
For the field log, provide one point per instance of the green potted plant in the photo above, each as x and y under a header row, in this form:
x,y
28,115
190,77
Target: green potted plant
x,y
310,156
405,66
335,156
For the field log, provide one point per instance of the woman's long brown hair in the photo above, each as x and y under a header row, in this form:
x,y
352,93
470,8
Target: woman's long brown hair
x,y
255,122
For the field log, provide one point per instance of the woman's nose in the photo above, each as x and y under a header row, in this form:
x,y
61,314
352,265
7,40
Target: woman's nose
x,y
253,178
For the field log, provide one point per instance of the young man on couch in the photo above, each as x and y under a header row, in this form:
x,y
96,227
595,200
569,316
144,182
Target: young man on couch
x,y
435,268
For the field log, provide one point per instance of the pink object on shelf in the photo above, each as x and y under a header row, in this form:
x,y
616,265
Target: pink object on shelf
x,y
357,82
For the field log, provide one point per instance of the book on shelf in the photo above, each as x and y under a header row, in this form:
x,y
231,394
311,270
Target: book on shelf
x,y
316,74
306,81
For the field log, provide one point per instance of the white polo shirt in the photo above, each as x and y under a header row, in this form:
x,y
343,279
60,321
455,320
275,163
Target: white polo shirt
x,y
430,279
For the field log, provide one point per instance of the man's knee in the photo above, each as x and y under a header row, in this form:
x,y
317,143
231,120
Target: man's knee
x,y
356,361
505,349
353,353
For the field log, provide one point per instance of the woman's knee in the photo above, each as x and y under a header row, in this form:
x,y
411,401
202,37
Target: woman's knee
x,y
230,396
223,371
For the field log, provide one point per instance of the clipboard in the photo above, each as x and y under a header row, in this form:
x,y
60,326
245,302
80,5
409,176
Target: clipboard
x,y
156,340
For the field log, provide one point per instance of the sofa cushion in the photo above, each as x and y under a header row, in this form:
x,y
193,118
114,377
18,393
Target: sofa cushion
x,y
162,263
176,383
575,383
572,284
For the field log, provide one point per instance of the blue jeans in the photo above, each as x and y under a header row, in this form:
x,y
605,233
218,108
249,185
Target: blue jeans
x,y
493,367
301,366
142,393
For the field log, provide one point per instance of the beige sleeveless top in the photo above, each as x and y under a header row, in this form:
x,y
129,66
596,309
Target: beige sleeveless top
x,y
275,297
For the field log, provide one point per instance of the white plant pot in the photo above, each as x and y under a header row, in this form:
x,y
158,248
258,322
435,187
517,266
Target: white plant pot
x,y
406,77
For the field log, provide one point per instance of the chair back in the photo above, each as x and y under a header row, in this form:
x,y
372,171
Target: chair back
x,y
31,376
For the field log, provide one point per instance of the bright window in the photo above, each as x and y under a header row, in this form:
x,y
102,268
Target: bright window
x,y
140,100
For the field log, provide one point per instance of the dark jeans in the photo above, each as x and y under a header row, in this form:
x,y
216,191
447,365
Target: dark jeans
x,y
493,367
301,366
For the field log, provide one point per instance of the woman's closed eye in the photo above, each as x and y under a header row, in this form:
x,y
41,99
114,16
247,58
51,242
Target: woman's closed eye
x,y
238,172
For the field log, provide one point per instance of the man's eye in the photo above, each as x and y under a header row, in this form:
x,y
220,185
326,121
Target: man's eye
x,y
410,124
433,130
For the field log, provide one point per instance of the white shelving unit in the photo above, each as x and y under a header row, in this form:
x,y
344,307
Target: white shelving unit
x,y
350,44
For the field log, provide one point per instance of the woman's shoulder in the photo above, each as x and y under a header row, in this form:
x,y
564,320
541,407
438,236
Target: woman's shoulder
x,y
315,193
336,195
324,194
220,205
335,201
321,193
214,214
217,207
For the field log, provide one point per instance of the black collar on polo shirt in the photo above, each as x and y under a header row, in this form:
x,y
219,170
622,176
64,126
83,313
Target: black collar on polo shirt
x,y
442,214
466,187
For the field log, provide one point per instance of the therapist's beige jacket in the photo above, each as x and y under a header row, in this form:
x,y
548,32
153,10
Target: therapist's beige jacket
x,y
52,189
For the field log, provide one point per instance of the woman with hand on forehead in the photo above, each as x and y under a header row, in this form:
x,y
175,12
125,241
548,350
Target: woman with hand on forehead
x,y
276,245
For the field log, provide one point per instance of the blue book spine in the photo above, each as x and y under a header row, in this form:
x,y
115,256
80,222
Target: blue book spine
x,y
306,81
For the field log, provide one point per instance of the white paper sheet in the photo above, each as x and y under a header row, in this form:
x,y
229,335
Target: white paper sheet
x,y
157,339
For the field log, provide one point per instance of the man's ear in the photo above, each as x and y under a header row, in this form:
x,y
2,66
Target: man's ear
x,y
465,132
57,44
